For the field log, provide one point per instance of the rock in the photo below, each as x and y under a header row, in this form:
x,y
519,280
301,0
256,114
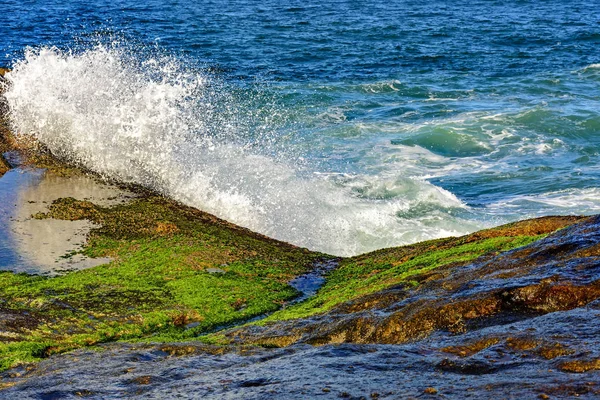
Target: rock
x,y
4,165
3,85
558,273
580,366
5,135
514,324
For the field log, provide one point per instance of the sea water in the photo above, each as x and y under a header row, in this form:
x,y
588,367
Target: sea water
x,y
340,126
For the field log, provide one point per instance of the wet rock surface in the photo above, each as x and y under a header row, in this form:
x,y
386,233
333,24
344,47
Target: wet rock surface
x,y
558,273
4,166
512,365
520,324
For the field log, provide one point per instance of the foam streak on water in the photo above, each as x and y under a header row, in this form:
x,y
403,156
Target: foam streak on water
x,y
154,123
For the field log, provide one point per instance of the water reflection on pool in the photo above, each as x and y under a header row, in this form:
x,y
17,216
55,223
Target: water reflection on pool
x,y
46,246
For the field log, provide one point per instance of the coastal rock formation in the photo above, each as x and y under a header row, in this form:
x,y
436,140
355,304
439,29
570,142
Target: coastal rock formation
x,y
4,165
516,306
558,273
521,323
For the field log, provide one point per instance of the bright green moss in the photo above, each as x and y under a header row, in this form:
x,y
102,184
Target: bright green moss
x,y
179,273
176,273
20,352
366,274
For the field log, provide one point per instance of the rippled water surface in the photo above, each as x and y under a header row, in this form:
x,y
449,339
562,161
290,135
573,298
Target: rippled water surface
x,y
341,126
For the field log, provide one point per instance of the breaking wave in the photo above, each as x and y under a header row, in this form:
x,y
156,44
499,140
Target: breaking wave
x,y
183,132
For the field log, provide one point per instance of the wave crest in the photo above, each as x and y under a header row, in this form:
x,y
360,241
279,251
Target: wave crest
x,y
180,132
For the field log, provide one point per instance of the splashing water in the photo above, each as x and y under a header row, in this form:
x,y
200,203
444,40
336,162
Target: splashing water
x,y
181,133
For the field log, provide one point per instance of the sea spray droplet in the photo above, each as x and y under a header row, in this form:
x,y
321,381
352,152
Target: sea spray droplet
x,y
184,134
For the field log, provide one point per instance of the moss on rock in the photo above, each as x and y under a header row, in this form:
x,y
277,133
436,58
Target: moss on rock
x,y
453,285
159,286
370,273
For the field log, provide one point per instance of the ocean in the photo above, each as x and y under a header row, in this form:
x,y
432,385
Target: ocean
x,y
341,126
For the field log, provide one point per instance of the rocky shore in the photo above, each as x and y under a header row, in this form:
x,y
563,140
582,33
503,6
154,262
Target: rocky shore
x,y
190,305
4,146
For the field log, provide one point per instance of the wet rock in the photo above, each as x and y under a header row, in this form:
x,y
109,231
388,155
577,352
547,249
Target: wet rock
x,y
178,350
469,367
552,351
517,324
4,165
14,324
430,390
558,273
301,371
471,348
580,366
256,382
142,380
84,393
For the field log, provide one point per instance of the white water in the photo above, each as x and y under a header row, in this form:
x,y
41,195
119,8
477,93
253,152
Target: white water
x,y
176,131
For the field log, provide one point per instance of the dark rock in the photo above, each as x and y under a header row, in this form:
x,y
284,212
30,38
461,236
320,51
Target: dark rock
x,y
5,134
466,368
558,273
4,165
256,382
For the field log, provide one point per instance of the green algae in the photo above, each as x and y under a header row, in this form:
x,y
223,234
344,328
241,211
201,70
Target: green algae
x,y
12,354
373,272
161,286
179,273
366,274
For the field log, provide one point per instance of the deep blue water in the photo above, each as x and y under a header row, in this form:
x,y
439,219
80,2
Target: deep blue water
x,y
331,40
392,121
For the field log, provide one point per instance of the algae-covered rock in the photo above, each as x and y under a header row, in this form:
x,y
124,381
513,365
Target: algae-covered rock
x,y
5,135
460,294
177,272
4,165
482,303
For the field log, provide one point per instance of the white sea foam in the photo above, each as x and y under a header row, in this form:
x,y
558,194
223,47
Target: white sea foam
x,y
588,67
156,124
381,87
561,202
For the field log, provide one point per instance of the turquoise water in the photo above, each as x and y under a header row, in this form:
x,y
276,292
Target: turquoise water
x,y
340,126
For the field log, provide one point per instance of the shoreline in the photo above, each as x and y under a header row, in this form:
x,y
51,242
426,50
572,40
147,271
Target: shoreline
x,y
178,273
